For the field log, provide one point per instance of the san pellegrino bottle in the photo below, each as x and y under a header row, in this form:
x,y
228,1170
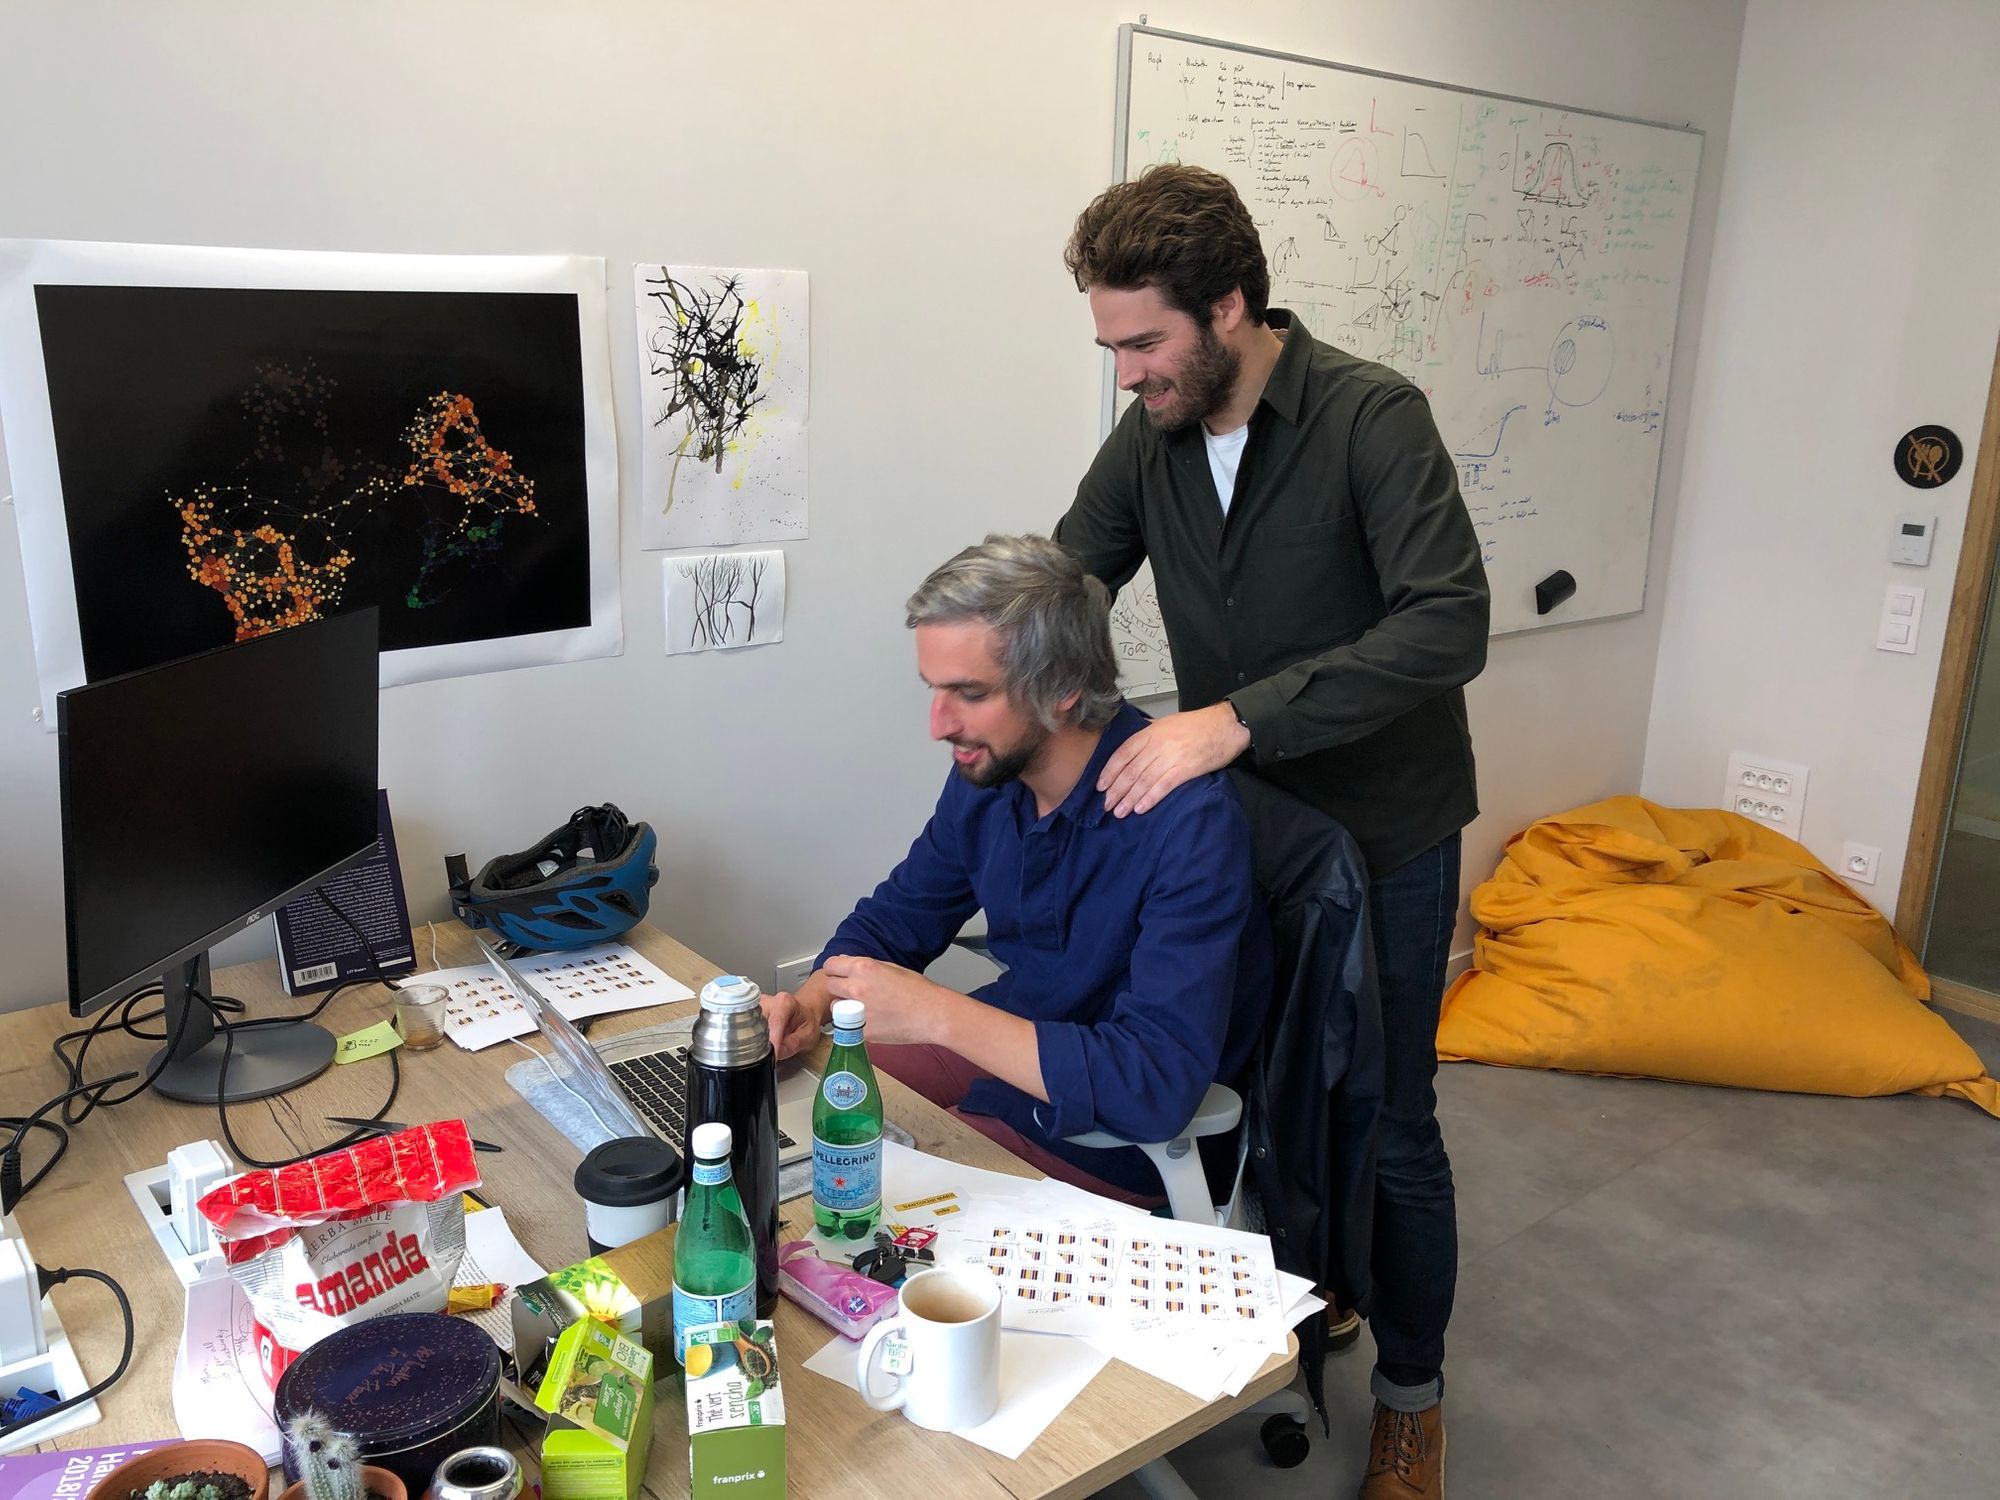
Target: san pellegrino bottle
x,y
847,1133
715,1261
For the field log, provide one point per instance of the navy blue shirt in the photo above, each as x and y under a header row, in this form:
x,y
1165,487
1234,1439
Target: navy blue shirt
x,y
1136,945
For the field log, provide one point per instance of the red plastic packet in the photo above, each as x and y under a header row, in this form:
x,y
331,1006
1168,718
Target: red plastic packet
x,y
376,1228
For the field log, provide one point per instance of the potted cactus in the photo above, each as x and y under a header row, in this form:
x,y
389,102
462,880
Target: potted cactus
x,y
198,1469
330,1466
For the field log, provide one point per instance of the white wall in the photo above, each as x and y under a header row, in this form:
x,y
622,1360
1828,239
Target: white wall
x,y
923,162
1854,296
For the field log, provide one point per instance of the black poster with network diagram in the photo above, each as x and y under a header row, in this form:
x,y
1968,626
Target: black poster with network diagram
x,y
236,460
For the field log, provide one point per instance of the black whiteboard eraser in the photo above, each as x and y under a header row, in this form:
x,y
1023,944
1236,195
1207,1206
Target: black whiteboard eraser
x,y
1552,590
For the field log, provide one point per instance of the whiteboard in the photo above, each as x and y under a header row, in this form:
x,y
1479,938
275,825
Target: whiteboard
x,y
1520,262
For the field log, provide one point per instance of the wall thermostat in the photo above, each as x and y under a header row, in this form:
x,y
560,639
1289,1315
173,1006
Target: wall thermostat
x,y
1913,539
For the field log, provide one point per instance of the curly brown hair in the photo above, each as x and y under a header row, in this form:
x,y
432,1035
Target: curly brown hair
x,y
1178,228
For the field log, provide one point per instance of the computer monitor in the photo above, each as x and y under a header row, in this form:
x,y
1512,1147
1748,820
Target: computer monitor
x,y
198,796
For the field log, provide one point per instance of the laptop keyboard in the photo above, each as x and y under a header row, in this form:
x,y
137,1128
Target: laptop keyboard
x,y
656,1083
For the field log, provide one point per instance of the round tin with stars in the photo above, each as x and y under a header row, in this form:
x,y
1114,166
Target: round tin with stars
x,y
411,1389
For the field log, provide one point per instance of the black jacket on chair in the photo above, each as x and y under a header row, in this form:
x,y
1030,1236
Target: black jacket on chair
x,y
1316,1095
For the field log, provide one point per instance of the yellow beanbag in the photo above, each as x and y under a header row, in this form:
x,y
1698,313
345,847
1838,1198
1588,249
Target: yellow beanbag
x,y
1699,946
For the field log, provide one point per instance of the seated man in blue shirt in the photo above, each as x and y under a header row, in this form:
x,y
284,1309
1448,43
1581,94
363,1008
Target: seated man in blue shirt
x,y
1137,956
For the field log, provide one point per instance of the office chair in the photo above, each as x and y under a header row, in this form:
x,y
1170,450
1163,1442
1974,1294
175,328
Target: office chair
x,y
1320,1073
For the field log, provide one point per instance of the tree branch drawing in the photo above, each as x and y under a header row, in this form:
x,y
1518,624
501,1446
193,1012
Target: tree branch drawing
x,y
713,382
727,590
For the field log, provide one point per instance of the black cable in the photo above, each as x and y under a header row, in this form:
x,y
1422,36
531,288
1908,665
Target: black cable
x,y
12,1188
50,1279
122,1012
360,937
352,1138
230,1028
120,1016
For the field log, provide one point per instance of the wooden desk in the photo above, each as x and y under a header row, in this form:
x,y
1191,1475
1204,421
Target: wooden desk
x,y
81,1216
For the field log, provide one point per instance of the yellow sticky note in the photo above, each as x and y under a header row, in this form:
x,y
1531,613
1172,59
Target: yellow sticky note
x,y
356,1045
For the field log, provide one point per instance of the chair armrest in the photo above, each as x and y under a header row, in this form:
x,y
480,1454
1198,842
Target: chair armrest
x,y
1177,1162
974,942
1221,1107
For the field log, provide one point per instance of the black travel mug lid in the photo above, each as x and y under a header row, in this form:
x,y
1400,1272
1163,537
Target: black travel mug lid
x,y
626,1172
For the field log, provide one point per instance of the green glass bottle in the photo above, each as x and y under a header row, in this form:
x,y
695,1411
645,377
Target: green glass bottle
x,y
715,1261
847,1134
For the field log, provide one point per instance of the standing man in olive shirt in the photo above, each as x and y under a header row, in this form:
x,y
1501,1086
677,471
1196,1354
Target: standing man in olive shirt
x,y
1323,596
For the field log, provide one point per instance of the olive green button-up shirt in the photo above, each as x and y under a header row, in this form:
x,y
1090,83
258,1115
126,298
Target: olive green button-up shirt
x,y
1340,605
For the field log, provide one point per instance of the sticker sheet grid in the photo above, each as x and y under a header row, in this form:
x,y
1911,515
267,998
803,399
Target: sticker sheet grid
x,y
1150,1274
483,1009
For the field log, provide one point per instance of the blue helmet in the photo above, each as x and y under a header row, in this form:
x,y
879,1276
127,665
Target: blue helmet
x,y
586,883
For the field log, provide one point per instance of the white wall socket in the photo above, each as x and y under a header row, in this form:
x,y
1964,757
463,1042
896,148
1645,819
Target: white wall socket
x,y
1769,790
792,973
1860,862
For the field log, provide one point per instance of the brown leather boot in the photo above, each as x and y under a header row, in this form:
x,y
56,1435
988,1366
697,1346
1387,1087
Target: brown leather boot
x,y
1343,1327
1405,1455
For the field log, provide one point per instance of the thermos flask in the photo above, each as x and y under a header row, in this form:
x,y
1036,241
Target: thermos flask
x,y
733,1078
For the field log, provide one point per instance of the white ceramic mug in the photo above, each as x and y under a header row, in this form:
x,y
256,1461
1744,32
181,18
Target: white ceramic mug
x,y
949,1326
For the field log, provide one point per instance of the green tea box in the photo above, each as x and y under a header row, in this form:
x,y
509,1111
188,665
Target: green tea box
x,y
736,1411
599,1394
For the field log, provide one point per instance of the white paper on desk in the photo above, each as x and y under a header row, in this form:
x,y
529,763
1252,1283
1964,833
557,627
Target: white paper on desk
x,y
909,1175
1206,1369
493,1254
581,983
1089,1273
1040,1374
936,1193
219,1389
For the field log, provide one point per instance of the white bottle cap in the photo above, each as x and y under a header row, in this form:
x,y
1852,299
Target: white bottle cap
x,y
849,1014
728,993
712,1141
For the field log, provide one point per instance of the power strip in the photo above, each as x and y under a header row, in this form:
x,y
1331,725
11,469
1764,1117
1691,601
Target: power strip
x,y
21,1334
54,1366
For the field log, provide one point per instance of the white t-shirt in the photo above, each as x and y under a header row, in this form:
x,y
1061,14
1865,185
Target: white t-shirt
x,y
1225,454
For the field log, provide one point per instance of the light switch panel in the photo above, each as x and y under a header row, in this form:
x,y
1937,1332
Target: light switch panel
x,y
1902,615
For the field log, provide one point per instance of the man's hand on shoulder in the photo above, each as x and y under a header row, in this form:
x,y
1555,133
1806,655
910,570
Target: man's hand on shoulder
x,y
1168,752
903,1006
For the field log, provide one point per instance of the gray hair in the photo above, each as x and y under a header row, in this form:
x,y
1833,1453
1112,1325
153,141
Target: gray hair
x,y
1053,619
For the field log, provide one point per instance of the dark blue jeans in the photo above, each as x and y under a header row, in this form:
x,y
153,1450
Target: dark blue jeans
x,y
1412,911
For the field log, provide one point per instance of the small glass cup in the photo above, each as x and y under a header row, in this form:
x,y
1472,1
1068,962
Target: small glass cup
x,y
420,1015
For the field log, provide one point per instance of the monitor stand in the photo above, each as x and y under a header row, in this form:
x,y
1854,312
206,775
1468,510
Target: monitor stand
x,y
263,1060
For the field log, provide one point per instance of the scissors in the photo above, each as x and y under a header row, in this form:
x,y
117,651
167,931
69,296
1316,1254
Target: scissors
x,y
390,1127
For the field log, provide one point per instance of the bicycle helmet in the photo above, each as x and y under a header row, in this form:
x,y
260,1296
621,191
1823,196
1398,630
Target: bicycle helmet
x,y
585,883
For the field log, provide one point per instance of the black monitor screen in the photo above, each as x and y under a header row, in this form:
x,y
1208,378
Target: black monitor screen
x,y
198,795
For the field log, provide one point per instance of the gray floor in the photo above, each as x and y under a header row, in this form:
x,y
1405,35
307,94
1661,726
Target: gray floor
x,y
1673,1291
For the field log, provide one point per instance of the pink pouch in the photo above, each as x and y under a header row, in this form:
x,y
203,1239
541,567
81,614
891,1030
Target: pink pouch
x,y
843,1299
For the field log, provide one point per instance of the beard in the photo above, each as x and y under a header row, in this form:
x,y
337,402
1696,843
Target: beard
x,y
1205,381
1002,766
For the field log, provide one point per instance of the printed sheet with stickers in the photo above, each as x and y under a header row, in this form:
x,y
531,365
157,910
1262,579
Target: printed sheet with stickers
x,y
583,982
1140,1273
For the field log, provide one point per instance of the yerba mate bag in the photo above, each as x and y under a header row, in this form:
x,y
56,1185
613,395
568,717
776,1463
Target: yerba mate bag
x,y
354,1234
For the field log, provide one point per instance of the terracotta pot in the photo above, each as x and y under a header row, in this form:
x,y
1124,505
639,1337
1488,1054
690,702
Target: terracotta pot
x,y
196,1455
381,1481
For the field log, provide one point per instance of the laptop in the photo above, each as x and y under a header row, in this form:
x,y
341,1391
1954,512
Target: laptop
x,y
639,1087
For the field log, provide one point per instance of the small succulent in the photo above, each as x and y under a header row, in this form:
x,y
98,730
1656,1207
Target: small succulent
x,y
182,1489
329,1462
